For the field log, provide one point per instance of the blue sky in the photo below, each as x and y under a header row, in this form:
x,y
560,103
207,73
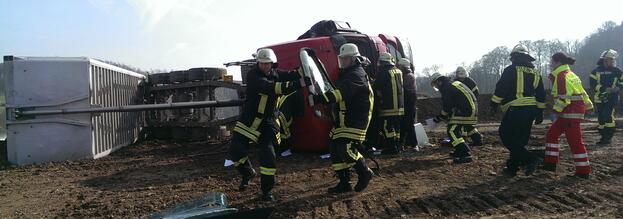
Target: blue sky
x,y
65,28
180,34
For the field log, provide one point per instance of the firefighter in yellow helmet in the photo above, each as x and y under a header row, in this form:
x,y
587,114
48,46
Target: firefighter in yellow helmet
x,y
257,123
606,81
353,99
388,88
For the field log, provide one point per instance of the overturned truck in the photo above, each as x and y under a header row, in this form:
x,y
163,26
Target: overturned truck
x,y
309,132
73,108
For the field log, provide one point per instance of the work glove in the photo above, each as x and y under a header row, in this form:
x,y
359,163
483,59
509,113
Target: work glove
x,y
318,99
493,108
539,117
305,81
300,71
439,118
612,89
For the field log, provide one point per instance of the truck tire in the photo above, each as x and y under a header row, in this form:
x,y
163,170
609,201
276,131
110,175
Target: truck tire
x,y
159,78
178,76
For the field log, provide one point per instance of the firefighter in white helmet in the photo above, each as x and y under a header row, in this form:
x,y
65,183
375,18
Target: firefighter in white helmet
x,y
461,75
353,99
522,105
388,88
407,130
606,82
257,123
460,110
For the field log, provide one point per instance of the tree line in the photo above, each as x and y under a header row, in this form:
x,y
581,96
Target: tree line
x,y
487,70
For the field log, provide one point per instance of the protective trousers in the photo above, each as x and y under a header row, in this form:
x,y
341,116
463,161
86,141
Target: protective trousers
x,y
239,152
391,132
455,132
344,153
515,133
407,130
573,132
473,133
605,117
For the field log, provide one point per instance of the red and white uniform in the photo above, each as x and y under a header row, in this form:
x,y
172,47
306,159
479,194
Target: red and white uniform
x,y
570,104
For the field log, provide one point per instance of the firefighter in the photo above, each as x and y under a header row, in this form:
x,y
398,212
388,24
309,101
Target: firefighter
x,y
570,104
460,109
520,94
257,123
407,131
289,106
606,82
461,75
388,87
353,99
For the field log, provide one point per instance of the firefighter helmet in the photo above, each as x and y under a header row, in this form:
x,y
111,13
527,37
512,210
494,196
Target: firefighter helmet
x,y
609,54
433,80
387,58
349,49
460,72
266,55
404,62
436,77
520,49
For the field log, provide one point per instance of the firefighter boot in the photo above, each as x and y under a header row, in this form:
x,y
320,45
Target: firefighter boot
x,y
609,134
268,181
606,136
476,139
511,168
391,147
247,173
344,184
462,154
364,175
533,165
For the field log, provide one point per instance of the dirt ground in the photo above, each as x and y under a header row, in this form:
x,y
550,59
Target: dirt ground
x,y
156,175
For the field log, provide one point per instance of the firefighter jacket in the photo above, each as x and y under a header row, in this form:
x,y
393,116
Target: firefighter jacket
x,y
388,87
603,78
410,97
519,85
470,83
459,103
353,98
570,98
259,110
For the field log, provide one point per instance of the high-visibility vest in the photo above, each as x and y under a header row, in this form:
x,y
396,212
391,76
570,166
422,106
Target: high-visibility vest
x,y
570,98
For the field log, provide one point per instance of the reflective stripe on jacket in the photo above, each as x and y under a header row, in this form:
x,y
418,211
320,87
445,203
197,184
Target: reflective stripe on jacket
x,y
519,85
570,98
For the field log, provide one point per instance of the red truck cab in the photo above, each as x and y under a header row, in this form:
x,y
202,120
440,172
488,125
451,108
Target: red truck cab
x,y
310,133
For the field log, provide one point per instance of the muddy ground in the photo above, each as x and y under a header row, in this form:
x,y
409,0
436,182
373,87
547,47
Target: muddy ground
x,y
156,175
